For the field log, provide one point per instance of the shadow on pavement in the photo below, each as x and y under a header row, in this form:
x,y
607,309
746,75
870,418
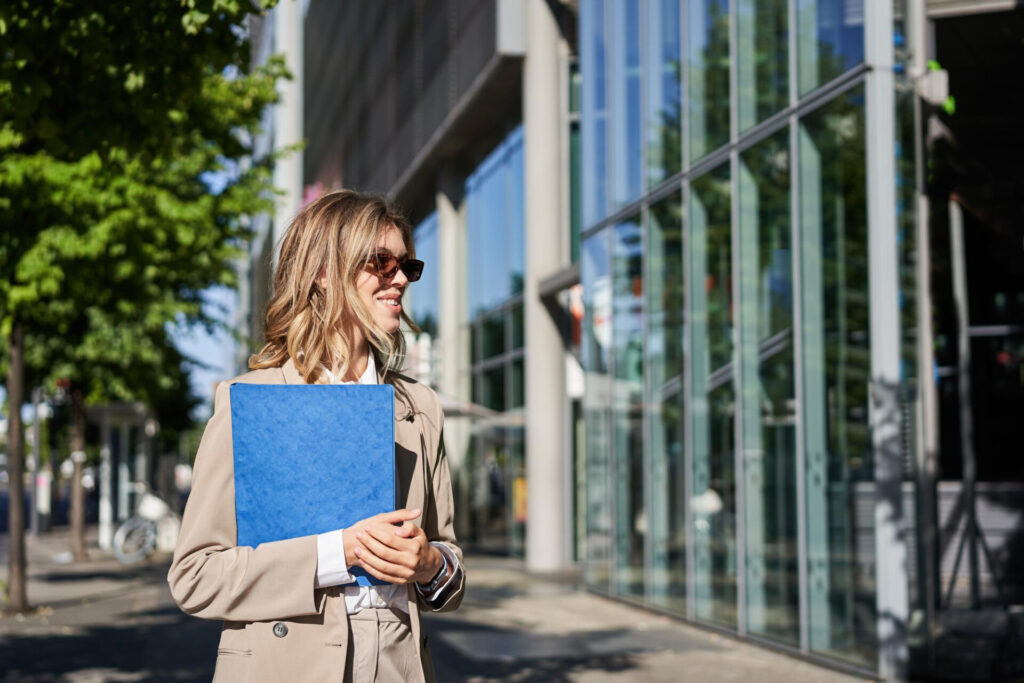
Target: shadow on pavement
x,y
178,650
465,650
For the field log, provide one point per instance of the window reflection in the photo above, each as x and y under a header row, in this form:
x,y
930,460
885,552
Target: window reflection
x,y
494,266
494,224
768,391
713,491
626,124
829,39
664,403
597,326
662,84
594,114
837,372
762,65
423,296
627,403
708,75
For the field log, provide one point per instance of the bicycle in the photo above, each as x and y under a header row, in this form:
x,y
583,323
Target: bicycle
x,y
153,525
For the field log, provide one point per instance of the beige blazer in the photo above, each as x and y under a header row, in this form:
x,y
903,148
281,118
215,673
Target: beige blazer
x,y
277,627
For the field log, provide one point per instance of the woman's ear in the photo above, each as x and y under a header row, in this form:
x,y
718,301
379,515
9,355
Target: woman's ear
x,y
321,279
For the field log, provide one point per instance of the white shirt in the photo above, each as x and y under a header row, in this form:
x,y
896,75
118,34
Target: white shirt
x,y
331,568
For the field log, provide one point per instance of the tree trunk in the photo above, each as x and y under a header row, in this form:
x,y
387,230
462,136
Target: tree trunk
x,y
18,598
78,551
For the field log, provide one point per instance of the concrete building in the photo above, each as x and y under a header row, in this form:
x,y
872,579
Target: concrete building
x,y
696,296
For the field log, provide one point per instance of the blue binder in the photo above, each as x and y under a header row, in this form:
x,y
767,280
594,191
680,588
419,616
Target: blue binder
x,y
311,458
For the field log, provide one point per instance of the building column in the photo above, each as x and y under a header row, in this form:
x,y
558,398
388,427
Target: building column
x,y
884,286
288,40
543,131
450,347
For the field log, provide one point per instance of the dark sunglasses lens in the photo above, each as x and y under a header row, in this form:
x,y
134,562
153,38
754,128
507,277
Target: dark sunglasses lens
x,y
412,268
386,265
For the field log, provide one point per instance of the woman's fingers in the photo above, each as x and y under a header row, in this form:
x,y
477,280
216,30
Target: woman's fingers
x,y
382,569
388,535
408,530
396,517
381,550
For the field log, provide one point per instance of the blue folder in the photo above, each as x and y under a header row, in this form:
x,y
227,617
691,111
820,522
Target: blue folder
x,y
311,458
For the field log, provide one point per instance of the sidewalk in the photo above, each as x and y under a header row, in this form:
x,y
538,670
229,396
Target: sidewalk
x,y
100,621
514,627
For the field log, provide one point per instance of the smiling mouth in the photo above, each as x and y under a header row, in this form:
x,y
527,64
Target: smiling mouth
x,y
394,303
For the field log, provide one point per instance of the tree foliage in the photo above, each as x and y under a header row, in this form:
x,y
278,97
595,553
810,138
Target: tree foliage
x,y
114,118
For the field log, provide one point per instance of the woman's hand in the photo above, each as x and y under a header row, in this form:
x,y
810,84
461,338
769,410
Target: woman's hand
x,y
395,554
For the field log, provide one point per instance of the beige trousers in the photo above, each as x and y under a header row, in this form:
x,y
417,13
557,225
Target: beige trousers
x,y
381,648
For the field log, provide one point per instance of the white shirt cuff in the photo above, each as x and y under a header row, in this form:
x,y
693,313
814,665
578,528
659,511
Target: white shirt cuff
x,y
331,568
453,565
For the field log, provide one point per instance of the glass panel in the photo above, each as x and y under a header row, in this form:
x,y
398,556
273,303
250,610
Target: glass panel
x,y
627,402
664,117
575,167
836,376
516,316
474,342
512,211
713,493
489,500
627,126
575,199
830,39
492,388
664,403
597,331
517,500
493,334
423,295
517,398
767,388
762,67
594,114
708,75
494,208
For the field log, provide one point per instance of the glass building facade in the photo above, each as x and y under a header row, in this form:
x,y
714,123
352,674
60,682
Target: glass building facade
x,y
730,469
494,305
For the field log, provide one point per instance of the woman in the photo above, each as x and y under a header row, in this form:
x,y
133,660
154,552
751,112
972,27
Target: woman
x,y
290,609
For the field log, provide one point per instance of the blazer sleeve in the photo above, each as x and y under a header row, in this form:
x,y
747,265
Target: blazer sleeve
x,y
213,578
439,525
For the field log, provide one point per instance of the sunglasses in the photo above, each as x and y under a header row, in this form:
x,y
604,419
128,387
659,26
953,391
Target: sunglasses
x,y
385,265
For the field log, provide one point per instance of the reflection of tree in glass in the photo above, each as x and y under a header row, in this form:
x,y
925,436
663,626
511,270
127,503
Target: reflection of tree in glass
x,y
666,147
666,253
712,190
709,67
838,136
771,58
768,163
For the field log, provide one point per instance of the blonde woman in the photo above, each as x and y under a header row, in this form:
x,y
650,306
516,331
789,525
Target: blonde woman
x,y
290,609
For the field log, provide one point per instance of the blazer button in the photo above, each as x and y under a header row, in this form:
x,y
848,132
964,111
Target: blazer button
x,y
280,630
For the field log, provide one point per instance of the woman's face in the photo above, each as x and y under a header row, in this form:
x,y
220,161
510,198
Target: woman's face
x,y
383,296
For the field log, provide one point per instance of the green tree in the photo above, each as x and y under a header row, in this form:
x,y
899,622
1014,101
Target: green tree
x,y
114,118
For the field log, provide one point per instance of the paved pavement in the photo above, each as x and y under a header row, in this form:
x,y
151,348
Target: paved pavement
x,y
99,621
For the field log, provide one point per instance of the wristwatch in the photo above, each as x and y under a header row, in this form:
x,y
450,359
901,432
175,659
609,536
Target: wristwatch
x,y
435,582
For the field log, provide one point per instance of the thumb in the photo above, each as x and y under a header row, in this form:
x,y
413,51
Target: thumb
x,y
399,516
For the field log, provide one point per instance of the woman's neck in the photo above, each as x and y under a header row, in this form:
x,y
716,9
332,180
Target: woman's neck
x,y
360,357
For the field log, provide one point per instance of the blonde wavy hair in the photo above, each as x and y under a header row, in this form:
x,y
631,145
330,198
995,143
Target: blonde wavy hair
x,y
334,235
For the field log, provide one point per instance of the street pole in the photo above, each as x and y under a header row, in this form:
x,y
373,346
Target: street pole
x,y
34,519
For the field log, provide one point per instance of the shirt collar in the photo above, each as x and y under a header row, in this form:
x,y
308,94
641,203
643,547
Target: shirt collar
x,y
369,375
